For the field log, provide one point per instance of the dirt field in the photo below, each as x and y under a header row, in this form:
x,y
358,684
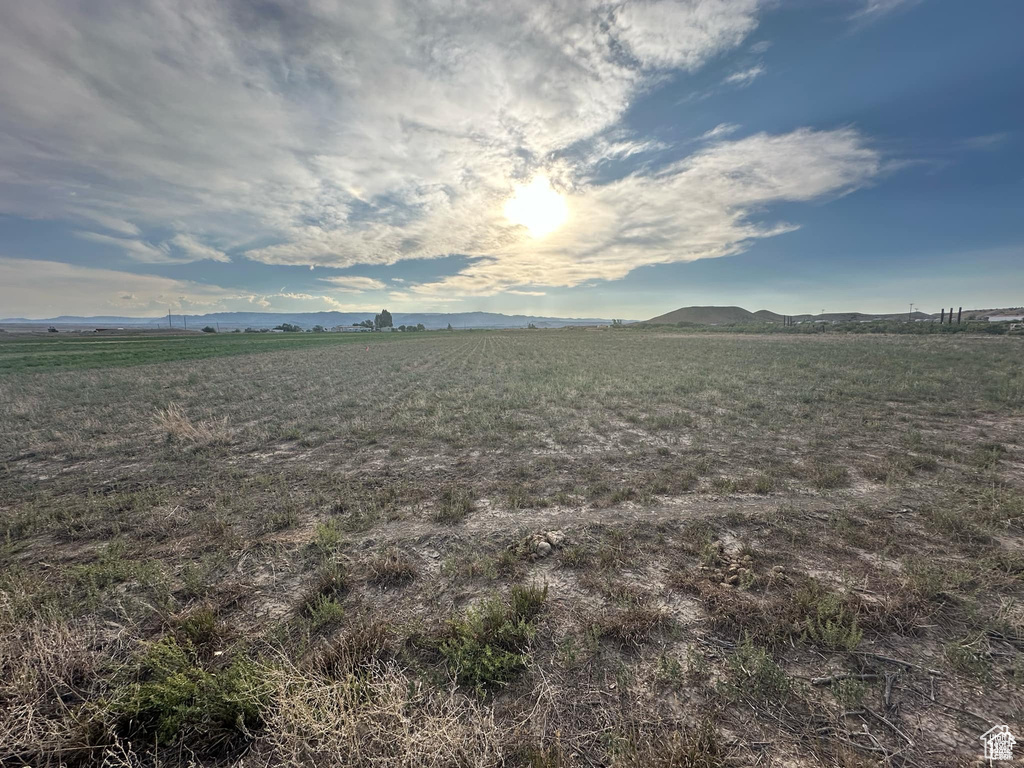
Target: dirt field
x,y
549,548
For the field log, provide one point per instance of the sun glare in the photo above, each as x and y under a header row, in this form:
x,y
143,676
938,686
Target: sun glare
x,y
538,207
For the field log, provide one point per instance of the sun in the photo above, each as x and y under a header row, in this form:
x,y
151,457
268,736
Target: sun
x,y
538,207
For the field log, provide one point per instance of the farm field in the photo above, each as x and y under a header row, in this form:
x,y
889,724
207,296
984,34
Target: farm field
x,y
522,548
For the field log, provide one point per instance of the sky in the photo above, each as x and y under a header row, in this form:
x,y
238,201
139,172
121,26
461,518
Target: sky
x,y
563,157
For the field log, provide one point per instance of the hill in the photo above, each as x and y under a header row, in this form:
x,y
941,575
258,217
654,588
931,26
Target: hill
x,y
707,316
767,316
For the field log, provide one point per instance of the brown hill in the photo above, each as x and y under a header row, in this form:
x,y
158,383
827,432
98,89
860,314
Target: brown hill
x,y
706,316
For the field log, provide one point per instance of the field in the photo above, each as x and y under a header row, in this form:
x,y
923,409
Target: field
x,y
523,548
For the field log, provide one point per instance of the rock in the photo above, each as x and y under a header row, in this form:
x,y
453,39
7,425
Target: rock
x,y
542,548
555,538
777,569
733,579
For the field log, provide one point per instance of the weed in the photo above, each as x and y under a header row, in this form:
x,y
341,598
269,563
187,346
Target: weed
x,y
633,626
391,568
828,621
970,657
488,645
454,506
168,694
754,671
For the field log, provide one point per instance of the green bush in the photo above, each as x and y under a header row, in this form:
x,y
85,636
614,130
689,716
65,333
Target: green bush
x,y
488,645
171,696
828,621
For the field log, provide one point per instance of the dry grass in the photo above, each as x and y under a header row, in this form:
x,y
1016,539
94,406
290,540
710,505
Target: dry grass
x,y
178,427
740,515
381,717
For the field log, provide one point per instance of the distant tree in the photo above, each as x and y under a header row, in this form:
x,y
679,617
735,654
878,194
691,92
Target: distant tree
x,y
319,329
531,326
383,320
288,328
420,327
616,323
449,326
402,328
364,324
209,329
237,330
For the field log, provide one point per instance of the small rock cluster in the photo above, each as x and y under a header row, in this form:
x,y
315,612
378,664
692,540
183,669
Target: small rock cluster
x,y
543,544
735,569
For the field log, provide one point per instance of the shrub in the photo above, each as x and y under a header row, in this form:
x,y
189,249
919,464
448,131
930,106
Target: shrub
x,y
392,568
488,645
320,603
753,670
633,626
171,696
454,506
829,622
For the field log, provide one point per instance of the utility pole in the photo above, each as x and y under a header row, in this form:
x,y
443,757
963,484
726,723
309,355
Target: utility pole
x,y
910,317
184,319
169,317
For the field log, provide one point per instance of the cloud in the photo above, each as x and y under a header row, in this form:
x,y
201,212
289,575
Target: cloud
x,y
354,283
364,132
989,141
180,249
872,10
704,206
745,77
196,251
135,249
720,130
37,288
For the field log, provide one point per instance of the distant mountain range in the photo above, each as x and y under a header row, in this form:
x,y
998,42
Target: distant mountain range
x,y
738,315
231,320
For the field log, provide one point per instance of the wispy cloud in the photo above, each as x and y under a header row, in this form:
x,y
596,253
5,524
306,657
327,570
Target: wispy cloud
x,y
355,284
39,288
745,76
180,249
698,208
870,10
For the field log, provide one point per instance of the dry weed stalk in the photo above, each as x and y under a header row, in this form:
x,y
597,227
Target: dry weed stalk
x,y
175,422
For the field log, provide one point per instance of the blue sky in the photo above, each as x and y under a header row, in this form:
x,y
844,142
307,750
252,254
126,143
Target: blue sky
x,y
793,155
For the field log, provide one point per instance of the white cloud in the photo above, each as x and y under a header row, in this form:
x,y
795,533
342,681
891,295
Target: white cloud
x,y
375,131
135,249
37,288
871,10
361,132
354,283
720,130
701,207
745,76
185,249
196,251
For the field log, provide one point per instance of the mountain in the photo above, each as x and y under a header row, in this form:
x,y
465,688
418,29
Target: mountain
x,y
707,316
767,316
232,320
